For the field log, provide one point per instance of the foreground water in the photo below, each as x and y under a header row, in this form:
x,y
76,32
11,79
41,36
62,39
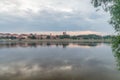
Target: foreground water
x,y
57,61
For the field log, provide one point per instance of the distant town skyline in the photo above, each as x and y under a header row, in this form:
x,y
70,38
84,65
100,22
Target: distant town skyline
x,y
52,15
53,36
72,33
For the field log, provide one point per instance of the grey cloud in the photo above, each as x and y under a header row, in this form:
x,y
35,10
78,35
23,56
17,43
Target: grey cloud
x,y
51,18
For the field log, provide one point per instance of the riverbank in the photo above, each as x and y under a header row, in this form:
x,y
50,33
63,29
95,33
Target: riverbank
x,y
57,40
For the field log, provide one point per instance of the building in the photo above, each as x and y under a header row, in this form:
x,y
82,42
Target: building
x,y
64,33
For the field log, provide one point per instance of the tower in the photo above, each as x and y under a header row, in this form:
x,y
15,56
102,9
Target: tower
x,y
64,33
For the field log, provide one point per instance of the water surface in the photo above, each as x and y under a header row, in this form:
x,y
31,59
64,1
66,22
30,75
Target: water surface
x,y
57,61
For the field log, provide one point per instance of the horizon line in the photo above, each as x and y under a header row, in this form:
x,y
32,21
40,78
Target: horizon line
x,y
61,32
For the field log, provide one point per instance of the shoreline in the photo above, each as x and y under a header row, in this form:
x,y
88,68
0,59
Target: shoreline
x,y
59,40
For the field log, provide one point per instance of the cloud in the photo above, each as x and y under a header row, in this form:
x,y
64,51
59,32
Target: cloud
x,y
51,15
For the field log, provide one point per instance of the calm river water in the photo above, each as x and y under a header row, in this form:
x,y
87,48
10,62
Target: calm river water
x,y
57,61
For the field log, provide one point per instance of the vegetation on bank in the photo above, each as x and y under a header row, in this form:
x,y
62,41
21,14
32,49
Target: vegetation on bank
x,y
113,7
78,37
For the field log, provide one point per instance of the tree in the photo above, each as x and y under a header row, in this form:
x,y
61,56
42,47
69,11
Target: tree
x,y
64,36
116,49
113,7
103,3
48,37
32,36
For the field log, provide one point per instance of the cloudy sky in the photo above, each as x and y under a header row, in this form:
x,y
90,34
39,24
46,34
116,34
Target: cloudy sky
x,y
52,15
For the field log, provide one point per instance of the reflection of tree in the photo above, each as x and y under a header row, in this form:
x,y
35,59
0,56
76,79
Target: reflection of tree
x,y
65,45
57,44
48,44
116,49
91,44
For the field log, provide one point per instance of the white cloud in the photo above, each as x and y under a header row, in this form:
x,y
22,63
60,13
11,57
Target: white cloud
x,y
52,15
36,6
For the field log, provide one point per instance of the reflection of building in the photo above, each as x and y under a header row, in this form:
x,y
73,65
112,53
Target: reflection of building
x,y
36,44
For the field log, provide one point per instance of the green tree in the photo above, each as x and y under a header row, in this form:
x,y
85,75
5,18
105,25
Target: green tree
x,y
113,7
116,49
64,36
32,36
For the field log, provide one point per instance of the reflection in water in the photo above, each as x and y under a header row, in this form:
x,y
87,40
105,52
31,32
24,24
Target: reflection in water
x,y
36,44
22,62
116,49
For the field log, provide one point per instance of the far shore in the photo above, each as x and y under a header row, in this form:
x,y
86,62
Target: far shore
x,y
58,40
